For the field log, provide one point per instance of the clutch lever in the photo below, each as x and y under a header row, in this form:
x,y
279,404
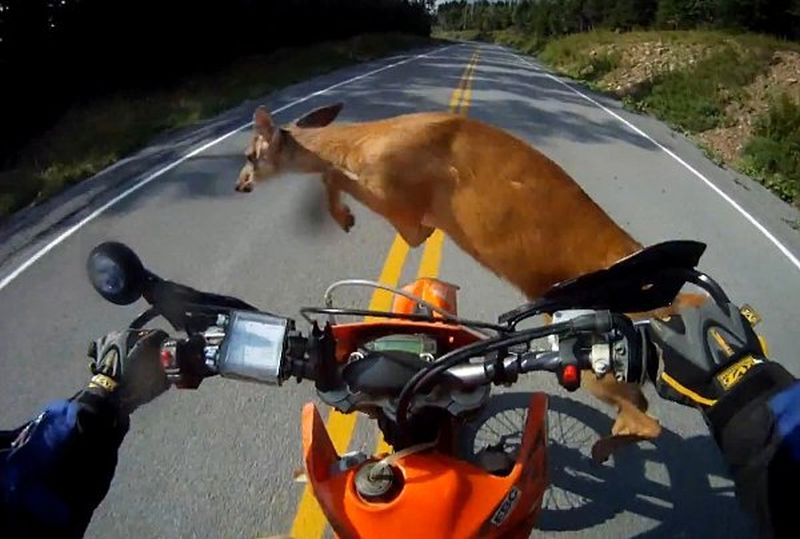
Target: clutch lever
x,y
184,307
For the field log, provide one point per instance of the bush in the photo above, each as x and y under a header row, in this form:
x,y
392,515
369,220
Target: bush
x,y
773,154
695,99
582,56
601,64
524,42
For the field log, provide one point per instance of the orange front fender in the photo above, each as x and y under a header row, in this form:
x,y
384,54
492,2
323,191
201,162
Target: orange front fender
x,y
441,496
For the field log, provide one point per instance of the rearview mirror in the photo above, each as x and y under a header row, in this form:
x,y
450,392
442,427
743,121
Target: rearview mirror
x,y
116,273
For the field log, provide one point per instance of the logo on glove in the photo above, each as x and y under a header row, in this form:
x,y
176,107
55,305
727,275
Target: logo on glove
x,y
734,374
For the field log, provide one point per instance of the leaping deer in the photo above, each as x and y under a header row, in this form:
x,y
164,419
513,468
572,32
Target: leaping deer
x,y
503,202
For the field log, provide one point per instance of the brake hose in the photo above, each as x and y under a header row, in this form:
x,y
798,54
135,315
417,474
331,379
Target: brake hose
x,y
447,361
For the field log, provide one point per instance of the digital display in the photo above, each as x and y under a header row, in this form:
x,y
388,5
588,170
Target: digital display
x,y
253,347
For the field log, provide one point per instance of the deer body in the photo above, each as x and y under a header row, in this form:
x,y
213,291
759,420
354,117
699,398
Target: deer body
x,y
500,200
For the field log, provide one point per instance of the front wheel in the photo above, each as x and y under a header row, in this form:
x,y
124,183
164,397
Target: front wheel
x,y
577,496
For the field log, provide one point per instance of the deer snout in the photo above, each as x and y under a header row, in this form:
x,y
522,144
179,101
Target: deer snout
x,y
245,182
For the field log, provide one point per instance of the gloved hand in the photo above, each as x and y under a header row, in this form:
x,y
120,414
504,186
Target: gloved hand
x,y
126,367
705,352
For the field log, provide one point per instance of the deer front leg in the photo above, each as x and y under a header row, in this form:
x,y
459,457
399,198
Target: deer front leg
x,y
332,179
406,218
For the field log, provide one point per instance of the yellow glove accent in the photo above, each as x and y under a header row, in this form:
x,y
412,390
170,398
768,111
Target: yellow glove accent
x,y
104,382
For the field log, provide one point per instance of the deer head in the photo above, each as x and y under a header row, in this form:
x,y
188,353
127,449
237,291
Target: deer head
x,y
272,149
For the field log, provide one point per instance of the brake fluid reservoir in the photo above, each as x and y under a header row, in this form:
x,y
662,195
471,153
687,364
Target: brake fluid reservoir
x,y
563,316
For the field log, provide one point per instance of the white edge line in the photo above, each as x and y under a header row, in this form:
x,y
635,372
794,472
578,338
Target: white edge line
x,y
160,172
761,228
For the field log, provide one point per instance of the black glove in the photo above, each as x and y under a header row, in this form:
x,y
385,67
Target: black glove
x,y
705,352
126,367
711,358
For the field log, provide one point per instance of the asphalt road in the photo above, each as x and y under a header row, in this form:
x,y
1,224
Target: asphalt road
x,y
218,462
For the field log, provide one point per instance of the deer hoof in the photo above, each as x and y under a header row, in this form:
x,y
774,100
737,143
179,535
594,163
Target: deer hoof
x,y
346,219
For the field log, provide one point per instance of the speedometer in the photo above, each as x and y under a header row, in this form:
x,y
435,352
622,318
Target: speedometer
x,y
422,345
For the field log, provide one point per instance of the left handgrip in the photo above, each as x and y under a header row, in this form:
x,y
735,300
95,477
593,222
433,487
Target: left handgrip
x,y
184,361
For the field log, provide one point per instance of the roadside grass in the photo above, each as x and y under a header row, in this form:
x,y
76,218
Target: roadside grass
x,y
458,35
561,52
94,135
571,54
773,154
526,43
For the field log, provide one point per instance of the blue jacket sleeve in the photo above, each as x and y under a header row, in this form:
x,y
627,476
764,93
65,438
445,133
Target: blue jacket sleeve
x,y
757,427
57,468
785,407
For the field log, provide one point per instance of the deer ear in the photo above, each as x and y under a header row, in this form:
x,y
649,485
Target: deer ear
x,y
279,138
262,122
321,116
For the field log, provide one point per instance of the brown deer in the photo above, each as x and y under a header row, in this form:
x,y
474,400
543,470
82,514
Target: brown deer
x,y
500,200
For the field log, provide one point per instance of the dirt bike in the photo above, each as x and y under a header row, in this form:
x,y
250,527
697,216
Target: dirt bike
x,y
422,372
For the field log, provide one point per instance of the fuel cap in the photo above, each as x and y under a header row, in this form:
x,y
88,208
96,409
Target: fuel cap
x,y
376,481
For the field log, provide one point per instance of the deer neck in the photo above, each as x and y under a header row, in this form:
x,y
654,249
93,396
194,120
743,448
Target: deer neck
x,y
319,148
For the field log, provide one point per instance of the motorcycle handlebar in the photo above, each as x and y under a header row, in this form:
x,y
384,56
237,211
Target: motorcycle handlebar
x,y
189,360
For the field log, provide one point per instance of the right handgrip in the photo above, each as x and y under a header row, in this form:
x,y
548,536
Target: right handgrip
x,y
595,322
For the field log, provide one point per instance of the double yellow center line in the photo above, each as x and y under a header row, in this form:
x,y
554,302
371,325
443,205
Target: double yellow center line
x,y
309,522
462,95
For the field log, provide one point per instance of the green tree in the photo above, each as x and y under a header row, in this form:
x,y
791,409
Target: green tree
x,y
681,14
779,17
627,14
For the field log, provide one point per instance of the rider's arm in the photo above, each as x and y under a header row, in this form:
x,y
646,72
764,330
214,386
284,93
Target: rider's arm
x,y
56,469
713,360
757,428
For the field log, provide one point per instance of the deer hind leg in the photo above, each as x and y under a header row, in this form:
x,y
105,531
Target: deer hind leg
x,y
632,423
334,179
682,301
